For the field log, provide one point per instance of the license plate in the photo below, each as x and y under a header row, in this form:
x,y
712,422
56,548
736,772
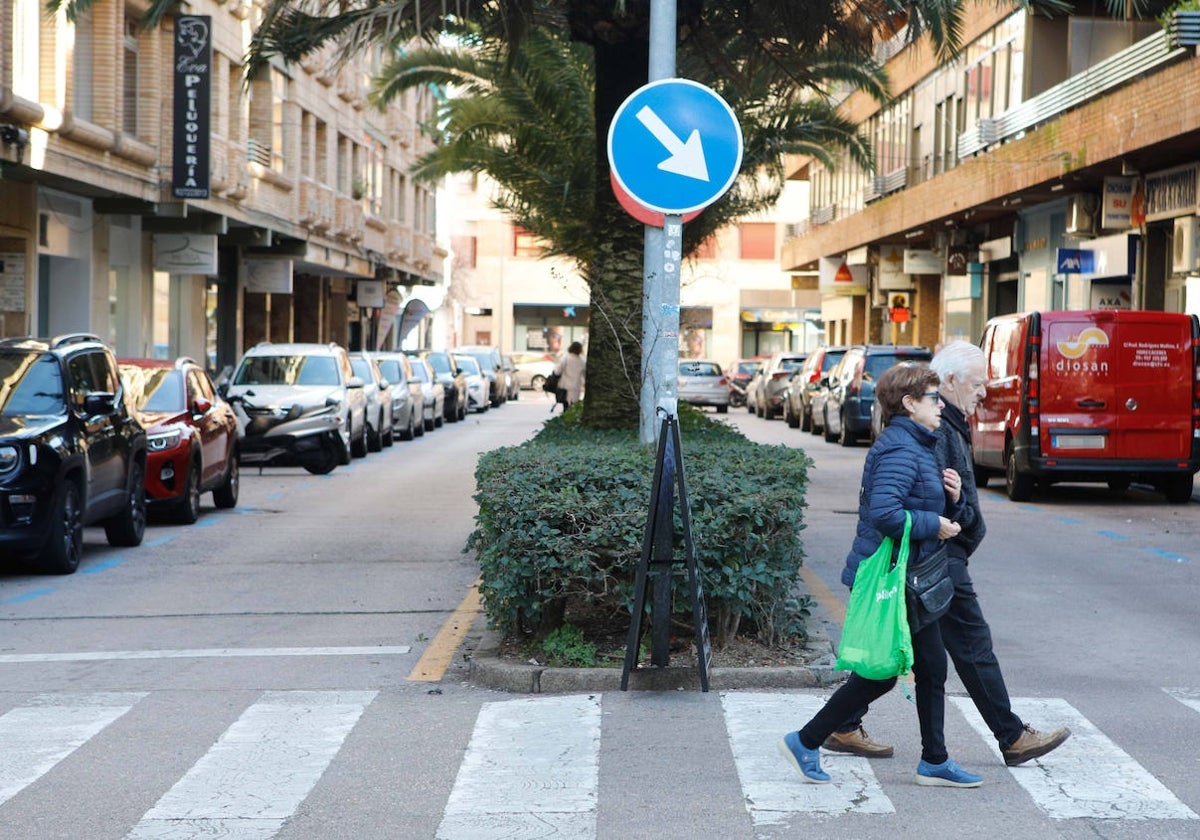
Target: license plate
x,y
1077,441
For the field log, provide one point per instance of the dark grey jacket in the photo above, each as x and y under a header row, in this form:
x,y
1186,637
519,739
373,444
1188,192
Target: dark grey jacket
x,y
953,449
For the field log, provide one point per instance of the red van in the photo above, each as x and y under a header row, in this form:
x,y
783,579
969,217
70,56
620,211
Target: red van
x,y
1100,395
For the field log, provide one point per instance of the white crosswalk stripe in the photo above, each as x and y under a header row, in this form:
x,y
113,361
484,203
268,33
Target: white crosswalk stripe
x,y
1089,776
532,770
773,791
37,736
1189,697
261,769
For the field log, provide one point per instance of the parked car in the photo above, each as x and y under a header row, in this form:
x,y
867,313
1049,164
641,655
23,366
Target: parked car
x,y
191,435
452,380
702,382
532,369
805,383
1099,395
740,373
378,390
408,392
510,377
847,410
491,368
299,405
770,383
478,393
72,452
434,412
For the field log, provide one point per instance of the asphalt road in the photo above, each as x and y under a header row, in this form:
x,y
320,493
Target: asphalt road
x,y
274,671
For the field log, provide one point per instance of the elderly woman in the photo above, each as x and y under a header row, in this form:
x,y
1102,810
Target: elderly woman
x,y
572,371
900,474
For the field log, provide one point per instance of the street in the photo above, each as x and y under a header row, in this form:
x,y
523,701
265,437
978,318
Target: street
x,y
255,675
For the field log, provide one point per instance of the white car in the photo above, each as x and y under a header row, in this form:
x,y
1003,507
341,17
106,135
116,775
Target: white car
x,y
533,368
478,386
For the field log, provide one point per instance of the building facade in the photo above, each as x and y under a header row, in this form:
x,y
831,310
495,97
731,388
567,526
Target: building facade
x,y
1052,165
152,194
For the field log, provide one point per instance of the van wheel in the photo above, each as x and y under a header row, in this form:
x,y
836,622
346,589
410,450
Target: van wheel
x,y
805,420
65,544
1178,488
1119,485
1019,485
127,528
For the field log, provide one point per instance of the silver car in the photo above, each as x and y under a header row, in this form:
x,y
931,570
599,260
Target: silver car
x,y
298,405
379,400
702,382
770,385
408,398
434,414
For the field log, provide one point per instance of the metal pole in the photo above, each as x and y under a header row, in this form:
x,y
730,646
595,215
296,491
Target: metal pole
x,y
660,293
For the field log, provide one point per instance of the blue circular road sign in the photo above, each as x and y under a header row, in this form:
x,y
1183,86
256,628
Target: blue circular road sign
x,y
675,146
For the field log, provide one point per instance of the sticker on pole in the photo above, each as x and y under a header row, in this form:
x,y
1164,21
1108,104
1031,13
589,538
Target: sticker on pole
x,y
675,146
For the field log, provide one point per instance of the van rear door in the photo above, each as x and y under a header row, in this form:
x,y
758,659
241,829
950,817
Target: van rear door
x,y
1116,384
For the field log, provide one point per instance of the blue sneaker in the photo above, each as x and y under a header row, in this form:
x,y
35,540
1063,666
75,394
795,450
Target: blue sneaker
x,y
807,761
946,774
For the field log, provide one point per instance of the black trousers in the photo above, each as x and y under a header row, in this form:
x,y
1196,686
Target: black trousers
x,y
968,639
851,700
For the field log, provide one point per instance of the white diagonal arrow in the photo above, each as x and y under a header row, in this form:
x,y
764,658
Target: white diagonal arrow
x,y
687,159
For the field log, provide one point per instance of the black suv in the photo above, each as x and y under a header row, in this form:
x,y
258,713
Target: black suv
x,y
71,451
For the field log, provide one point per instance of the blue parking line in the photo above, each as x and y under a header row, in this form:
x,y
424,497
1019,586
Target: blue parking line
x,y
1030,508
103,566
208,521
1067,520
29,596
275,497
160,541
1112,535
1170,555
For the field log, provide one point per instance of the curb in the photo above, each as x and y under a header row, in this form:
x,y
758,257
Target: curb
x,y
488,670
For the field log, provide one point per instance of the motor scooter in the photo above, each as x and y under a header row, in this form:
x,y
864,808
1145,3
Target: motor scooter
x,y
309,436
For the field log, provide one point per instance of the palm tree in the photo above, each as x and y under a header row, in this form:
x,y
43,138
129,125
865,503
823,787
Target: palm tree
x,y
757,53
526,119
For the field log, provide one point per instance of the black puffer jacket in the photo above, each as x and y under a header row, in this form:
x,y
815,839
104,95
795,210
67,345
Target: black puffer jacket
x,y
953,449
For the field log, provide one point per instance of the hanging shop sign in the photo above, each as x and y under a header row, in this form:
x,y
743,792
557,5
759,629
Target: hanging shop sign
x,y
185,253
193,109
837,277
267,275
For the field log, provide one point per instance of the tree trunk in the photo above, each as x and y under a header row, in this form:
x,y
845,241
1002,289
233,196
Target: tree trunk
x,y
615,278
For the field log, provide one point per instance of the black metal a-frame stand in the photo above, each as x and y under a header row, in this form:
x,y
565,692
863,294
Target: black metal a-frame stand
x,y
656,564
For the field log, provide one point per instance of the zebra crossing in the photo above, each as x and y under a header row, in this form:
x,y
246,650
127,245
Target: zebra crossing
x,y
532,766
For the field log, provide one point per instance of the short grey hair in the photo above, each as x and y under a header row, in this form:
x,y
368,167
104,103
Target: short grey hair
x,y
956,358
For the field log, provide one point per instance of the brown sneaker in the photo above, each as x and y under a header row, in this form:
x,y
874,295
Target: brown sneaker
x,y
1034,744
857,743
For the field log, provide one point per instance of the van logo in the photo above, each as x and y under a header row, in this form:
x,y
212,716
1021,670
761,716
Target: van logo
x,y
1073,348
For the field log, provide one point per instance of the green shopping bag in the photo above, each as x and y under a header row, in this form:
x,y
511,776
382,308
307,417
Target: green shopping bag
x,y
876,642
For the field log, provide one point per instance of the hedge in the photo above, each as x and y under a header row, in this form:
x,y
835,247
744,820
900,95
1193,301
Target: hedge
x,y
561,521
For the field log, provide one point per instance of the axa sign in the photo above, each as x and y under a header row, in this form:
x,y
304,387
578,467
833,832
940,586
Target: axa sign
x,y
1075,261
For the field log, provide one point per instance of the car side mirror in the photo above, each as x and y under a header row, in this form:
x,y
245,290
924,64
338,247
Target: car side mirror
x,y
201,405
99,403
383,383
354,382
223,390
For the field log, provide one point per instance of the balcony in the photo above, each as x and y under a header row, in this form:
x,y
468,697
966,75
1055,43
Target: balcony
x,y
1166,46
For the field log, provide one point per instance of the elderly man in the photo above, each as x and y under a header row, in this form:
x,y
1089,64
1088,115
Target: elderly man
x,y
965,632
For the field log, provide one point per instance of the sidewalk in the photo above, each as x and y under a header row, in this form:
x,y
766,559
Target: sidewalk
x,y
488,670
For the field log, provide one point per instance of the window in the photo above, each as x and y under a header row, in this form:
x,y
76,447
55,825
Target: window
x,y
707,250
83,70
321,151
757,240
129,80
525,243
279,91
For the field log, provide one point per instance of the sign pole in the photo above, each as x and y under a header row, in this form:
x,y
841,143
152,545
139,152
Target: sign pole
x,y
660,340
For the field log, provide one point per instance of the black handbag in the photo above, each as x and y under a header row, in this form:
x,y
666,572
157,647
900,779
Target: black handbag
x,y
550,385
928,588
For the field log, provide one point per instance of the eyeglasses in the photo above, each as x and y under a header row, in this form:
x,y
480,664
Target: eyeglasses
x,y
932,396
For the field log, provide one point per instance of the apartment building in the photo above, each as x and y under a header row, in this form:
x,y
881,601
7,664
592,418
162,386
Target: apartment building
x,y
735,302
152,194
1053,165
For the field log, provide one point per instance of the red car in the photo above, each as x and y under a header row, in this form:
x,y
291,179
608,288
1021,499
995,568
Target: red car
x,y
191,435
